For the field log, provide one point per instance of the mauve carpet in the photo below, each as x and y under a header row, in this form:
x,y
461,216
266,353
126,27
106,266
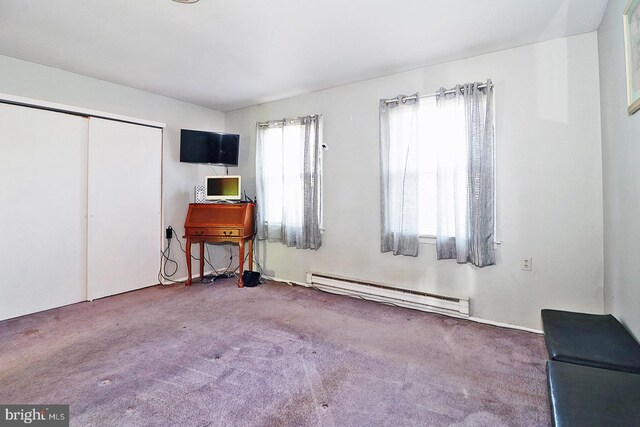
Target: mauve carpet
x,y
273,355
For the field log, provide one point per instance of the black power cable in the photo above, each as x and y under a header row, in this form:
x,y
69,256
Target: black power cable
x,y
165,259
217,274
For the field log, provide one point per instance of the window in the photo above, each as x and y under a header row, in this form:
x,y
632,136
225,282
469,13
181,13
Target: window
x,y
441,134
273,173
289,181
437,171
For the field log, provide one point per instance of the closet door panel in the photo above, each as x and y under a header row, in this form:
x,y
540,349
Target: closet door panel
x,y
42,210
124,228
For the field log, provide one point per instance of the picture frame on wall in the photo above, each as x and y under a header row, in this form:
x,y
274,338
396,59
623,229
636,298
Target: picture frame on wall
x,y
632,54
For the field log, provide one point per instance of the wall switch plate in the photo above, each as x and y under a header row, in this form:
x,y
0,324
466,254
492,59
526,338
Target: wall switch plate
x,y
525,264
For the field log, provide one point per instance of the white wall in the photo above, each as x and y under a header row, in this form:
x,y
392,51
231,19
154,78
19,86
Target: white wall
x,y
621,180
549,182
50,84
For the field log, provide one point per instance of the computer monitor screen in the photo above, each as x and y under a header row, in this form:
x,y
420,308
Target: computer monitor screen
x,y
223,187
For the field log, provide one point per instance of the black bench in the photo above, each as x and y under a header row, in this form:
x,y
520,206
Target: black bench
x,y
586,396
599,341
594,371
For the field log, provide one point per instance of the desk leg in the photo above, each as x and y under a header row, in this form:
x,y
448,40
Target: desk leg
x,y
251,255
188,252
201,261
241,253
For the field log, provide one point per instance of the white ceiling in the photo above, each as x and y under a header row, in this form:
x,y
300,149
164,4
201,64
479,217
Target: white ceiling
x,y
226,54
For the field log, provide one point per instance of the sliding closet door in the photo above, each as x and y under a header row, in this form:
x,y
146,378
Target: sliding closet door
x,y
124,229
42,210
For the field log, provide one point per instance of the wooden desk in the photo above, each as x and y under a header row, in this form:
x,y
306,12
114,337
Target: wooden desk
x,y
216,223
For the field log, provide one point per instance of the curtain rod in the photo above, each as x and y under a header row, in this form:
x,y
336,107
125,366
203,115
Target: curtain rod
x,y
291,121
430,95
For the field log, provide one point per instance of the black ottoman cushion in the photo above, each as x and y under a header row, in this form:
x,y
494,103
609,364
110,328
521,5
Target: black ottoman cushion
x,y
590,339
585,396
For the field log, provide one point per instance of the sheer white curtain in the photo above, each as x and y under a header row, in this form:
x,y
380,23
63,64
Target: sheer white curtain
x,y
399,175
289,181
466,175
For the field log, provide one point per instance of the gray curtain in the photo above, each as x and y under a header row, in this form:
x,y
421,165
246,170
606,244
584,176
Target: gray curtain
x,y
399,175
289,181
466,183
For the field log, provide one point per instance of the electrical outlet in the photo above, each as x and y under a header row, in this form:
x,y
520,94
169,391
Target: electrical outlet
x,y
526,264
168,233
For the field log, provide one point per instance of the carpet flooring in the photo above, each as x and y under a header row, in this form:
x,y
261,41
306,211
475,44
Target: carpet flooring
x,y
275,355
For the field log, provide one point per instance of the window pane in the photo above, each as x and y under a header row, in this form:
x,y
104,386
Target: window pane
x,y
272,175
442,140
283,175
429,135
292,175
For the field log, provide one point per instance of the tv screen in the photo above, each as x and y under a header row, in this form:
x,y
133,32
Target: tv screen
x,y
223,187
215,148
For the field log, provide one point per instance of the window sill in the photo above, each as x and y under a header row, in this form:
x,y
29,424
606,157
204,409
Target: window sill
x,y
431,240
322,229
427,240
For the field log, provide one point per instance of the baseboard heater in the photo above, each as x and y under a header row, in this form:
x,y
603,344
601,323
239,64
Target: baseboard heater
x,y
451,306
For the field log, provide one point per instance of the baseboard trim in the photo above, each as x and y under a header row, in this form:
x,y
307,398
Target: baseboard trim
x,y
473,319
505,325
290,282
184,279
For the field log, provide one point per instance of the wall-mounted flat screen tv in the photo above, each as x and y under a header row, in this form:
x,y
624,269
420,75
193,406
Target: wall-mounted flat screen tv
x,y
216,148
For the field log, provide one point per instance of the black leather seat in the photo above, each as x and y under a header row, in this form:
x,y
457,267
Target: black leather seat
x,y
599,341
585,396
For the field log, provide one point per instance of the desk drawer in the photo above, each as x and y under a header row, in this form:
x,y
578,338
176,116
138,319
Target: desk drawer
x,y
213,232
228,232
